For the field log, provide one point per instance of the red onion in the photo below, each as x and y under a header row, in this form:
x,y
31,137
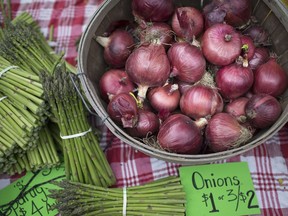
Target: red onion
x,y
221,44
263,110
122,108
233,12
164,98
158,32
148,66
238,13
249,126
248,47
187,62
147,125
261,55
224,132
180,134
117,47
270,78
213,15
118,24
258,34
153,10
187,22
183,86
201,101
236,108
234,80
113,82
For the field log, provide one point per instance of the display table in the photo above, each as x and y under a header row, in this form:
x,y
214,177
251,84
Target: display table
x,y
268,163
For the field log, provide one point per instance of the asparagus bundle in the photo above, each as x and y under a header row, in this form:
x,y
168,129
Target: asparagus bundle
x,y
162,197
23,44
43,156
84,159
23,111
24,88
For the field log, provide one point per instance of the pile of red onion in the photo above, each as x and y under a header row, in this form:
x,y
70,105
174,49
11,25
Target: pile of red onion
x,y
196,81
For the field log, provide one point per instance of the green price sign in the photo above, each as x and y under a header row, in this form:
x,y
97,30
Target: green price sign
x,y
28,196
219,189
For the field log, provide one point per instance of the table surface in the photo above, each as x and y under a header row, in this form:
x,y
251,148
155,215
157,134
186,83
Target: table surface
x,y
268,163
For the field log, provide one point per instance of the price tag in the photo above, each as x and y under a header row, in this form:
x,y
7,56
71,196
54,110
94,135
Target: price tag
x,y
219,189
28,196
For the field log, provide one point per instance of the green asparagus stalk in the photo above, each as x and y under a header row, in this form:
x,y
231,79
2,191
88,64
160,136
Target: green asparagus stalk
x,y
162,197
44,155
84,159
23,44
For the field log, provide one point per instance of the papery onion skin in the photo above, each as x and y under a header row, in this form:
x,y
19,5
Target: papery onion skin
x,y
270,78
156,31
153,10
238,13
122,109
164,98
261,55
221,44
201,101
213,15
148,66
113,82
187,22
258,34
234,80
223,132
118,48
179,134
187,62
233,12
236,108
183,86
263,110
247,43
147,125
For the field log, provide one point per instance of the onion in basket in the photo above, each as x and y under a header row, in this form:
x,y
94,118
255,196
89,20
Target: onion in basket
x,y
221,44
224,132
187,62
270,78
180,134
148,66
117,47
147,125
263,110
234,80
201,101
153,10
113,82
187,23
122,108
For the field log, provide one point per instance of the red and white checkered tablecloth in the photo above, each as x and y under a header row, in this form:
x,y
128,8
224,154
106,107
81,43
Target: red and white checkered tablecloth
x,y
268,163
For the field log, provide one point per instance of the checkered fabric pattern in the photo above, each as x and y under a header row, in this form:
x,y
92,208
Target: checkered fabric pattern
x,y
268,163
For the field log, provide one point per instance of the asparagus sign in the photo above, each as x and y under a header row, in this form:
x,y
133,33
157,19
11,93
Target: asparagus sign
x,y
28,195
219,189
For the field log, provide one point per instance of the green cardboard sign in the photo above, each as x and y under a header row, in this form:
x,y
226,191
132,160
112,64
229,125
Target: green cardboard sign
x,y
28,196
219,189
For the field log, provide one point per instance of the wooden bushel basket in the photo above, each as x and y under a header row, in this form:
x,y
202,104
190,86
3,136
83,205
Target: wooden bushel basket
x,y
273,15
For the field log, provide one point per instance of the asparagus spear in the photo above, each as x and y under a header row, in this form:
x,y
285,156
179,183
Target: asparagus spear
x,y
162,197
84,159
44,155
23,44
